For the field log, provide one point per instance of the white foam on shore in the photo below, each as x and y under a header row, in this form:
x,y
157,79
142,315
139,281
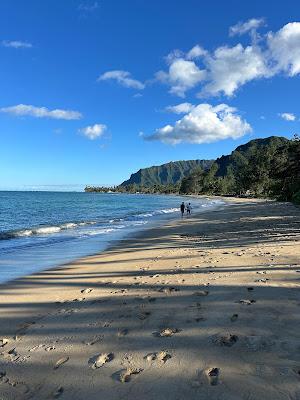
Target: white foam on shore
x,y
38,248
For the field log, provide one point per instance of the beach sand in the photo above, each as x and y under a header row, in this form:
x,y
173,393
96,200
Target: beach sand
x,y
199,308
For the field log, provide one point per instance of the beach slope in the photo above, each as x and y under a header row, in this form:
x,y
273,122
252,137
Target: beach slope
x,y
200,308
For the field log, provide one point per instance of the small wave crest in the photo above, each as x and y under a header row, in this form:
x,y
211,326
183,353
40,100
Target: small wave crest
x,y
158,212
43,230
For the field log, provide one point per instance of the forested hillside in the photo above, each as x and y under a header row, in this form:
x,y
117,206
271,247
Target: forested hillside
x,y
263,168
166,174
268,167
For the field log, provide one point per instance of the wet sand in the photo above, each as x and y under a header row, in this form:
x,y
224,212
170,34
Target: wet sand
x,y
200,308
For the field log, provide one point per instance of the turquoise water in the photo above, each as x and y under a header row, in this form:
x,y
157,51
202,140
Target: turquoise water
x,y
39,230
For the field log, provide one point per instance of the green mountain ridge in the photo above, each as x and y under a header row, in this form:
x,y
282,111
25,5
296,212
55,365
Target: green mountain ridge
x,y
173,172
247,150
170,173
268,167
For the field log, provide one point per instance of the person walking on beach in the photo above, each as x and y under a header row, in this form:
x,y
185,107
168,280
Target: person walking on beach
x,y
188,209
182,208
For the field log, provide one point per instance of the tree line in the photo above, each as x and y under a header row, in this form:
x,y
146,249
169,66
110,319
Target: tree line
x,y
261,168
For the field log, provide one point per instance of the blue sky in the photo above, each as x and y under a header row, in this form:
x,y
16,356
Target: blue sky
x,y
88,88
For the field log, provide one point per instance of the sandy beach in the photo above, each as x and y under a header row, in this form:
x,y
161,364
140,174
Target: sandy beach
x,y
199,308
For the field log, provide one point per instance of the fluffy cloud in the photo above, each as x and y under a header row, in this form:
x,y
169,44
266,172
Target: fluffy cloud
x,y
182,76
231,67
181,108
288,116
284,48
16,44
244,27
196,52
93,132
41,112
204,124
226,69
123,78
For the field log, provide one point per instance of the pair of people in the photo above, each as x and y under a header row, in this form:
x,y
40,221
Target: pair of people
x,y
184,207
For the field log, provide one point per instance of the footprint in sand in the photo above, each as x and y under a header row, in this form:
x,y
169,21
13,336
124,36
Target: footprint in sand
x,y
11,355
144,315
57,392
151,299
60,362
167,332
3,342
213,376
95,339
247,302
162,356
122,332
234,317
86,291
125,375
37,347
227,340
201,293
49,348
101,359
169,290
3,377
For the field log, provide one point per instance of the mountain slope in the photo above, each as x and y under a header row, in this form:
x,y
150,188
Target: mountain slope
x,y
270,144
165,174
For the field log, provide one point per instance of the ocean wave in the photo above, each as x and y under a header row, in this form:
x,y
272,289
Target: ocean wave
x,y
132,219
112,221
42,230
168,210
94,232
159,212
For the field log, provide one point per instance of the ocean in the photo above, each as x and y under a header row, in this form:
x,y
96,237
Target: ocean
x,y
39,230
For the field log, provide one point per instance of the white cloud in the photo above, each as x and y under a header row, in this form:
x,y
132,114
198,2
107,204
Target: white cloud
x,y
284,48
231,67
288,116
196,52
248,26
204,124
226,69
181,108
123,78
41,112
93,132
16,44
182,76
88,6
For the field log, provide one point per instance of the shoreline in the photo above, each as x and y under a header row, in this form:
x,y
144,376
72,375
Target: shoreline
x,y
105,242
182,288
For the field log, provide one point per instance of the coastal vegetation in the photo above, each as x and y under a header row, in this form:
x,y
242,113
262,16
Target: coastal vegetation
x,y
267,167
167,174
